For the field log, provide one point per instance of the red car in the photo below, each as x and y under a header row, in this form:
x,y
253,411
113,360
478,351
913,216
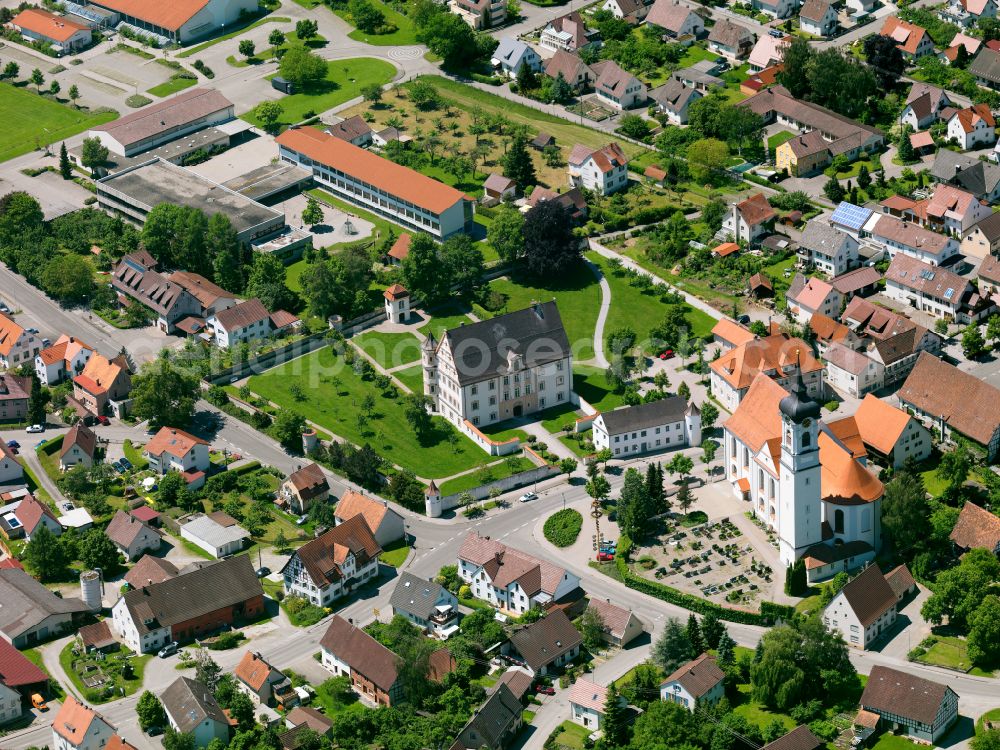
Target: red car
x,y
545,689
103,420
667,354
605,557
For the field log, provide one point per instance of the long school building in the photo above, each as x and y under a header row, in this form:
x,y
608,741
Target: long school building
x,y
398,193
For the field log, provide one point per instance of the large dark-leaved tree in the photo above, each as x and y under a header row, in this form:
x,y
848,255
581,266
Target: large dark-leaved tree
x,y
550,246
164,394
885,60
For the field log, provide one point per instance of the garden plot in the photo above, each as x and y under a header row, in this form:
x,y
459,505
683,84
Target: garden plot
x,y
592,109
715,561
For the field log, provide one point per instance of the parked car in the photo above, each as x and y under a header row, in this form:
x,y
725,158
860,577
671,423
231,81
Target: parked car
x,y
301,520
125,463
13,444
36,428
743,320
46,343
545,689
169,650
667,354
117,466
528,497
39,702
154,731
605,557
263,572
103,420
32,330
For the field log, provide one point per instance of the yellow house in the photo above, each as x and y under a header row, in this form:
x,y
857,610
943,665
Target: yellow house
x,y
803,154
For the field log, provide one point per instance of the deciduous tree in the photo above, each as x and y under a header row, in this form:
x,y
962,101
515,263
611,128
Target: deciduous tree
x,y
551,249
163,394
506,234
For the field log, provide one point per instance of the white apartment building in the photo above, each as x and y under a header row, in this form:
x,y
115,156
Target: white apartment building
x,y
509,366
333,564
363,178
509,579
926,287
175,450
864,609
652,426
65,358
603,170
829,250
897,236
246,321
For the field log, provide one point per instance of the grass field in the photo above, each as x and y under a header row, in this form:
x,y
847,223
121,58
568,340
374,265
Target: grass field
x,y
172,86
778,138
412,378
253,25
553,419
404,34
564,131
395,554
498,470
889,741
31,121
389,349
344,81
578,297
757,714
592,386
444,319
336,406
572,736
641,310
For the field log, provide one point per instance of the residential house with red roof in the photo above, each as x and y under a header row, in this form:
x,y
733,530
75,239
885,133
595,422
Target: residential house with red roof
x,y
675,19
806,297
77,726
333,564
510,579
620,626
245,322
131,536
480,14
14,394
587,702
305,486
79,447
104,385
572,68
66,357
973,127
568,32
729,334
348,650
175,450
59,32
264,683
32,514
908,705
863,610
912,40
750,219
363,178
17,346
949,210
603,170
19,678
891,435
976,528
618,88
695,685
386,525
400,249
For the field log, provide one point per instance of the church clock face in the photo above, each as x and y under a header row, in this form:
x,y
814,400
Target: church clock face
x,y
806,422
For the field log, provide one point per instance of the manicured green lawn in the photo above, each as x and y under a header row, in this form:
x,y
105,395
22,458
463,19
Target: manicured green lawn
x,y
444,319
404,34
572,736
949,651
232,34
498,470
778,138
555,418
293,275
389,349
412,378
574,446
889,741
396,554
344,81
502,432
578,297
640,310
564,131
591,385
336,406
694,54
172,86
134,455
757,714
31,121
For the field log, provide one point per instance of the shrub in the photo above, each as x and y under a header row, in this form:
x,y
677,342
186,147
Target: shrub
x,y
138,100
563,527
226,641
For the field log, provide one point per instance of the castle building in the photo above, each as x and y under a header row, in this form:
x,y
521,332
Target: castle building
x,y
805,479
498,369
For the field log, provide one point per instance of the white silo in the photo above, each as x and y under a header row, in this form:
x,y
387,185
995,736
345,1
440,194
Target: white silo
x,y
90,589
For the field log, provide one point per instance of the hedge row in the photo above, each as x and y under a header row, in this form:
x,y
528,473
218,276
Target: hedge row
x,y
769,611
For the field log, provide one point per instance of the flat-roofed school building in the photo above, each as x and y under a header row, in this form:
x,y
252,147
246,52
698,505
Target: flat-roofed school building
x,y
134,192
398,193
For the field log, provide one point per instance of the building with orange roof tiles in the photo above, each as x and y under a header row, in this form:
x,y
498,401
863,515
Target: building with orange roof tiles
x,y
180,21
385,524
67,356
17,346
729,334
749,219
363,178
779,356
806,480
890,434
103,383
62,34
79,727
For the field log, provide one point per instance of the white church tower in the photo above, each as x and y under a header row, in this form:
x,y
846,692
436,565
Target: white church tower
x,y
800,513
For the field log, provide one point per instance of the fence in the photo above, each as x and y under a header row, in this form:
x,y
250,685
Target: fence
x,y
506,484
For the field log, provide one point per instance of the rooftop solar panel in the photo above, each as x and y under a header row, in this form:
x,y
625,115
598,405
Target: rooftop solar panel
x,y
849,215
